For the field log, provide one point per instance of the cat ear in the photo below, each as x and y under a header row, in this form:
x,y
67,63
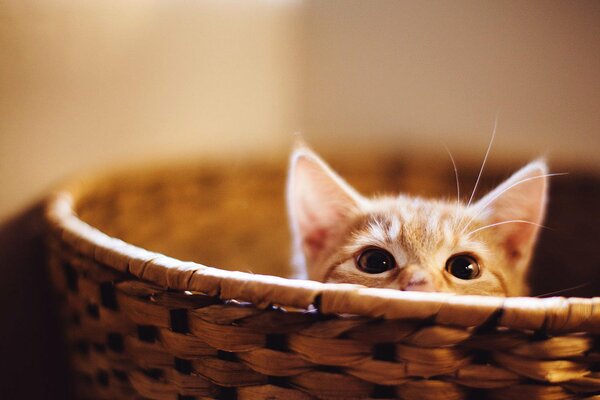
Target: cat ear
x,y
520,198
319,204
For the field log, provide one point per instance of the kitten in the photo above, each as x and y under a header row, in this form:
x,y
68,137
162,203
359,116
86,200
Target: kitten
x,y
410,243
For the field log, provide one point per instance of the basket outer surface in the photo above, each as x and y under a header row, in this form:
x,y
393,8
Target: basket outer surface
x,y
142,325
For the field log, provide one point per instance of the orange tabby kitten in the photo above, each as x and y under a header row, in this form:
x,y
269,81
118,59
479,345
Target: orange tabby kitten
x,y
411,243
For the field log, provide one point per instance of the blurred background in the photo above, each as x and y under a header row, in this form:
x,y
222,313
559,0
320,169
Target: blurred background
x,y
90,85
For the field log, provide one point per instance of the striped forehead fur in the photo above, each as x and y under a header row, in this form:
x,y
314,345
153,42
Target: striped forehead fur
x,y
414,225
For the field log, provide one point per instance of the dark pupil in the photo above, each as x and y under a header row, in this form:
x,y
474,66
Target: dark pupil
x,y
462,267
376,261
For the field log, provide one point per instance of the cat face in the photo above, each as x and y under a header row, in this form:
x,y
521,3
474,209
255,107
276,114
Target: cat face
x,y
411,243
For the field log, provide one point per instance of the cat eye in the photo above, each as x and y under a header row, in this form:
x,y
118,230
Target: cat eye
x,y
375,261
463,266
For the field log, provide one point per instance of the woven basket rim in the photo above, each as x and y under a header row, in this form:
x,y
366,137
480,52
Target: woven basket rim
x,y
554,314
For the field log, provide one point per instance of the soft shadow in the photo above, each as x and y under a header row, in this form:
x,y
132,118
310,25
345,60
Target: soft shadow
x,y
32,347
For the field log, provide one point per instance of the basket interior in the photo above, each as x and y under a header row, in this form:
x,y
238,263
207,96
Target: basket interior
x,y
233,217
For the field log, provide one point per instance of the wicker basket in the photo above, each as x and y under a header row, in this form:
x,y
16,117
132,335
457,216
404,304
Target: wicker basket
x,y
144,325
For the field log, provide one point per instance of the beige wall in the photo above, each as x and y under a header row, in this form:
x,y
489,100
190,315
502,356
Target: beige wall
x,y
412,74
84,84
89,84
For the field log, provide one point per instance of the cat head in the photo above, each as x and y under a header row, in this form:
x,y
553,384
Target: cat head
x,y
410,243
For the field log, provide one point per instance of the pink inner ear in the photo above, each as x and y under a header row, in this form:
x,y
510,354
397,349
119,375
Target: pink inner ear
x,y
318,225
319,202
521,198
514,247
314,243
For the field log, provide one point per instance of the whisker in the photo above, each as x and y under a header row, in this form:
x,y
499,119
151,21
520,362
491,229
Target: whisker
x,y
512,221
455,174
564,290
487,153
494,198
457,182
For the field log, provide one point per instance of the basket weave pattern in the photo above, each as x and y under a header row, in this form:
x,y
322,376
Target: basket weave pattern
x,y
141,325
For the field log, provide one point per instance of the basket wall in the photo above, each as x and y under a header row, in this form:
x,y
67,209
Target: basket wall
x,y
141,325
